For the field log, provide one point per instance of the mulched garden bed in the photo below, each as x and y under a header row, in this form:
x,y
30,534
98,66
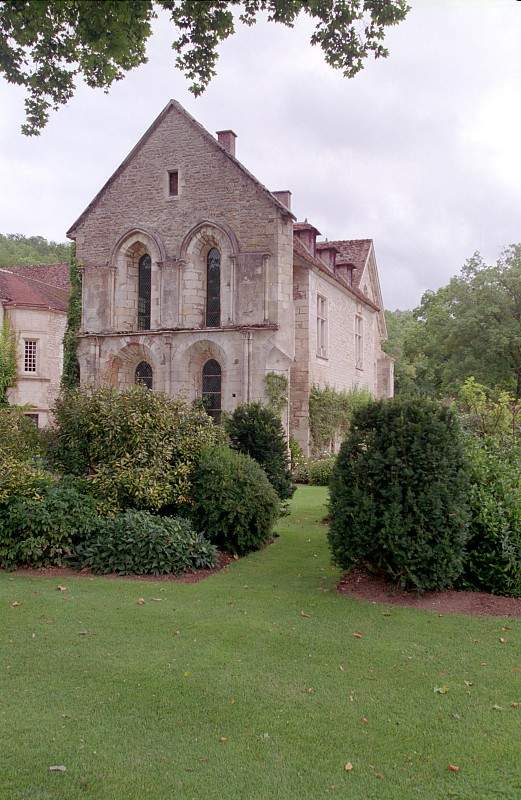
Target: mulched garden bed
x,y
366,586
66,572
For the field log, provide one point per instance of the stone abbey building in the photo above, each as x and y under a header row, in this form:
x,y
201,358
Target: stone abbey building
x,y
198,281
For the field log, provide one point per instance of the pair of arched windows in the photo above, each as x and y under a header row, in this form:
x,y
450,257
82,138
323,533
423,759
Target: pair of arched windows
x,y
213,290
211,384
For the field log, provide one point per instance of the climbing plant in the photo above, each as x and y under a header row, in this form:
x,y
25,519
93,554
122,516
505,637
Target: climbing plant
x,y
7,360
71,369
330,413
276,386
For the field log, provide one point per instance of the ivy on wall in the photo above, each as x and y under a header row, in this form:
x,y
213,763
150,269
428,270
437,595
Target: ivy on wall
x,y
330,413
71,368
276,386
7,360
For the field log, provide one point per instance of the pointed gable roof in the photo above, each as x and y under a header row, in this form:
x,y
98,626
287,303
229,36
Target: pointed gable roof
x,y
174,105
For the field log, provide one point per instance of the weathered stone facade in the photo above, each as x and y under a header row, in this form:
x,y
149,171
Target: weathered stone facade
x,y
216,206
36,310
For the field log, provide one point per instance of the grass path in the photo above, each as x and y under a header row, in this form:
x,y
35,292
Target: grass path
x,y
251,685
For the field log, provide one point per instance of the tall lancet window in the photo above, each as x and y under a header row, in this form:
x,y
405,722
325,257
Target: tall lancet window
x,y
212,378
144,292
213,289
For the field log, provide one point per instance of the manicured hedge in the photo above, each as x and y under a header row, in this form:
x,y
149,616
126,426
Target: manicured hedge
x,y
399,494
234,502
257,431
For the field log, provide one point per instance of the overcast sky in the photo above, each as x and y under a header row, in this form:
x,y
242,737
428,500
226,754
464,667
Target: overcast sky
x,y
420,152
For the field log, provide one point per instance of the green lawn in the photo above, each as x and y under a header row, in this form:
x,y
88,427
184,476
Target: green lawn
x,y
251,684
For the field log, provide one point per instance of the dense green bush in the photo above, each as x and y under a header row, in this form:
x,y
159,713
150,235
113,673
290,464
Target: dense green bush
x,y
19,437
234,503
138,448
140,543
320,470
41,528
493,557
399,494
257,431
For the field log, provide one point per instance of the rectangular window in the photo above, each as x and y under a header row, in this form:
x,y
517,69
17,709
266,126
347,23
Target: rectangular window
x,y
359,341
173,183
321,326
30,355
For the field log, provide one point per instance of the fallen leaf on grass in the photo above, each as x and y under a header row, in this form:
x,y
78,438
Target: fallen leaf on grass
x,y
506,628
497,708
348,767
141,601
468,683
303,614
15,604
364,720
502,640
515,705
441,689
60,588
358,635
453,768
57,768
223,739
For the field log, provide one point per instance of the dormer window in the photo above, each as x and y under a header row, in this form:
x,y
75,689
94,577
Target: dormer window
x,y
173,183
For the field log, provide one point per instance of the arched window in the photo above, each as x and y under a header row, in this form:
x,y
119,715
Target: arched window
x,y
144,375
213,288
212,389
143,292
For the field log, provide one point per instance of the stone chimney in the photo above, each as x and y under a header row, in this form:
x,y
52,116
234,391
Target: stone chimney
x,y
284,197
307,234
328,253
227,140
345,271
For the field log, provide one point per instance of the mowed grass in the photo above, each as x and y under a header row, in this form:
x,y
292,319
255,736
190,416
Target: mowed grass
x,y
251,684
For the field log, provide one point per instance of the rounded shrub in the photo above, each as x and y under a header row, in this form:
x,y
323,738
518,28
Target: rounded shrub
x,y
257,431
234,502
493,552
140,543
399,494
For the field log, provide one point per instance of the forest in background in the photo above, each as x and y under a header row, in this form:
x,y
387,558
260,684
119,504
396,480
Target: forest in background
x,y
16,249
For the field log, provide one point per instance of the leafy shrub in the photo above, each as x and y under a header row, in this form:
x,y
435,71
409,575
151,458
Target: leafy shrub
x,y
234,503
299,462
137,448
40,529
21,478
399,494
257,431
19,437
320,470
493,558
140,543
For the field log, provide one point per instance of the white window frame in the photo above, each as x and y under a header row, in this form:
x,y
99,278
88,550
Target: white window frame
x,y
30,356
322,326
359,341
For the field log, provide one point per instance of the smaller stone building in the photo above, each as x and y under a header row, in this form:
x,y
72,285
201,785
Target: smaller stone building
x,y
34,300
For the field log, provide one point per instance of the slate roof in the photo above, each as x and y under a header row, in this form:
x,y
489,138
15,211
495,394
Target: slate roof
x,y
352,251
299,249
52,274
21,290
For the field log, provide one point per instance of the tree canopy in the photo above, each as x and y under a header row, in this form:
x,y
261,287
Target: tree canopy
x,y
16,249
470,327
46,45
